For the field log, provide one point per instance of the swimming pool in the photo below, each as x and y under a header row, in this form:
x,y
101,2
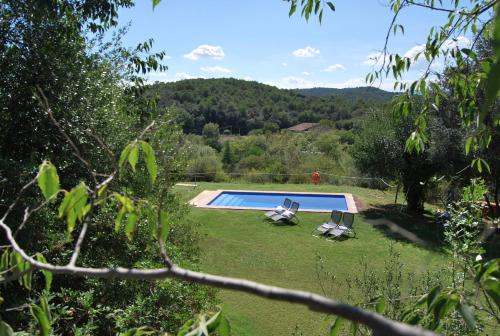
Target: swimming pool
x,y
268,200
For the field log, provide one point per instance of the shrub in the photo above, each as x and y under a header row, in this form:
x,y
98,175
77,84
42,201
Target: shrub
x,y
255,176
208,168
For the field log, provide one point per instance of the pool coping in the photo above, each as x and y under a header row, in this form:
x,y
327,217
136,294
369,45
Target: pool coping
x,y
206,196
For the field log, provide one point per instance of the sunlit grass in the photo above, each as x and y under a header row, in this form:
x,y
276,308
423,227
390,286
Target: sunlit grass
x,y
243,244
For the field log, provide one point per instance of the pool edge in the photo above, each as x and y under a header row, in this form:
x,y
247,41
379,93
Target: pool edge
x,y
206,196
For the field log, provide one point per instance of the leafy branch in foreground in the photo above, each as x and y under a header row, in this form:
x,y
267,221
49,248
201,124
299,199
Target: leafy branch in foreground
x,y
474,83
82,202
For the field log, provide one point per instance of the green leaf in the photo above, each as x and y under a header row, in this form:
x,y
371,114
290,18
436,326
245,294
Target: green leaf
x,y
380,307
337,325
46,274
185,328
5,329
488,268
468,143
467,314
155,3
119,218
331,5
22,267
126,202
492,285
224,328
293,8
45,307
214,321
4,261
433,294
48,180
124,154
165,225
133,157
493,75
42,319
131,225
74,206
101,193
471,54
150,160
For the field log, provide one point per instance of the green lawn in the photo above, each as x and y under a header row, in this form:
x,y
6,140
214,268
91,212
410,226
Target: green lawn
x,y
240,243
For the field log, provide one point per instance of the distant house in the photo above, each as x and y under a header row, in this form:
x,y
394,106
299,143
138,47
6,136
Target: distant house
x,y
302,127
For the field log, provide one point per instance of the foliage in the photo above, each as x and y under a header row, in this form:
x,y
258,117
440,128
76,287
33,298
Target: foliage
x,y
368,94
379,151
203,162
50,47
241,106
211,135
273,157
474,83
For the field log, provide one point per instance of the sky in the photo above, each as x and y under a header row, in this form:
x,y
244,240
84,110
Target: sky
x,y
257,40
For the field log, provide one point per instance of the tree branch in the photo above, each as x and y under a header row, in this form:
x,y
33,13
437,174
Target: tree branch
x,y
378,323
45,105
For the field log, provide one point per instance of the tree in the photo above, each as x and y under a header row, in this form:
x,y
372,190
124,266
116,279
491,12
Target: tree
x,y
379,151
227,156
89,198
211,135
47,46
476,93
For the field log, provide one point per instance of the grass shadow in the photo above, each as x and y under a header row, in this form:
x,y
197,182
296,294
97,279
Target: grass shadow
x,y
398,224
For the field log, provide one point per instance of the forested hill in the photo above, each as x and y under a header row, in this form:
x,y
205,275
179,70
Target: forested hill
x,y
367,93
240,106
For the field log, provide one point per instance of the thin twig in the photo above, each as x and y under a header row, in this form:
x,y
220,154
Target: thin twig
x,y
23,189
45,105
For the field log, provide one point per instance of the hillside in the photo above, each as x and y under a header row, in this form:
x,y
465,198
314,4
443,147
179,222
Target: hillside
x,y
240,106
367,93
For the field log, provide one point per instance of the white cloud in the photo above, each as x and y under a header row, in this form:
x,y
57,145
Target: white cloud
x,y
215,69
414,51
306,52
205,51
293,82
458,42
247,78
376,58
183,75
334,67
284,64
305,73
167,77
157,77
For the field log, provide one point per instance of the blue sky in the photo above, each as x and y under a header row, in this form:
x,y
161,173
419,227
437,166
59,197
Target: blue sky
x,y
256,40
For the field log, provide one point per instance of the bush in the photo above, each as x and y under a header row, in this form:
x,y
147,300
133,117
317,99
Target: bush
x,y
253,162
208,168
255,176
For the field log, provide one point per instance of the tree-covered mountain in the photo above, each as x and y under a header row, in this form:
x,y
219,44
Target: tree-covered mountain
x,y
366,93
241,106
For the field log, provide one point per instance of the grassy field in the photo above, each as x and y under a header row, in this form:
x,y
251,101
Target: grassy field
x,y
243,244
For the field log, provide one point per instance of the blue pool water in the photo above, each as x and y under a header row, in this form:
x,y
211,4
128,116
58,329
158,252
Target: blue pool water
x,y
271,200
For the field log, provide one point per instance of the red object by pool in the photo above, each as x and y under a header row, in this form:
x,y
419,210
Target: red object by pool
x,y
316,178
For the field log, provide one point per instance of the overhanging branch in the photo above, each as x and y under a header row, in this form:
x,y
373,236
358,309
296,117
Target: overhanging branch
x,y
379,324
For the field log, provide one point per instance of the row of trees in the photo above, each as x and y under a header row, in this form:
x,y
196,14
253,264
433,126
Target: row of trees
x,y
239,106
381,148
266,157
59,50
